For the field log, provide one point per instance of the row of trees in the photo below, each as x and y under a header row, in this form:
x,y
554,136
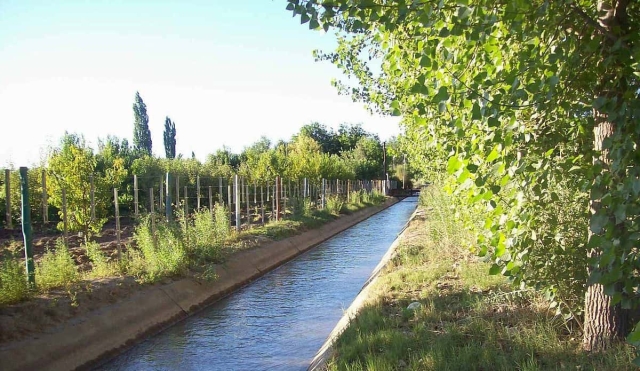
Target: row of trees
x,y
142,143
532,109
85,174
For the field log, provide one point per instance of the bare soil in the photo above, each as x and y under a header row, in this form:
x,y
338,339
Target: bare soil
x,y
44,311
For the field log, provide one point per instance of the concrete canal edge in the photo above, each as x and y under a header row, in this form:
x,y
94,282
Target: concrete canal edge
x,y
319,362
86,341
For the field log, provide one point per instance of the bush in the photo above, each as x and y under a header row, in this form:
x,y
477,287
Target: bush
x,y
159,256
56,268
13,281
335,204
101,266
206,234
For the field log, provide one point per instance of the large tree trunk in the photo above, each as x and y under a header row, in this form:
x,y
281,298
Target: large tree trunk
x,y
603,323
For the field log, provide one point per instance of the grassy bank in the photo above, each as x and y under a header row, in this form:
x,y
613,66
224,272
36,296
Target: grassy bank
x,y
466,319
160,250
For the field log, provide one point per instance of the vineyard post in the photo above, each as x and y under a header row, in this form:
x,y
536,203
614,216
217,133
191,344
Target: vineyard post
x,y
45,199
304,184
161,195
198,191
248,201
7,189
220,189
186,214
92,198
117,211
211,200
65,219
236,200
135,195
168,206
278,190
177,189
186,202
153,219
262,202
229,203
324,193
26,227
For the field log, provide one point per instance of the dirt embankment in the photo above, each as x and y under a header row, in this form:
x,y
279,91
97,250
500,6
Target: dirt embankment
x,y
72,330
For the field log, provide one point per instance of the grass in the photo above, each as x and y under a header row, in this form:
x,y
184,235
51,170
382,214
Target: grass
x,y
189,244
467,319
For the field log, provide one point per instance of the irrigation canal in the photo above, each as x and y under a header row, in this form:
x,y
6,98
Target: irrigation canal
x,y
279,321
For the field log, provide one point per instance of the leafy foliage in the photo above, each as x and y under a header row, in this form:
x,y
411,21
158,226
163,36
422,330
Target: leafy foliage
x,y
512,96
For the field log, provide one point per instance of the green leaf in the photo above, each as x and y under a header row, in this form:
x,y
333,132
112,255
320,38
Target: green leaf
x,y
464,12
476,113
453,164
495,269
442,95
493,155
597,223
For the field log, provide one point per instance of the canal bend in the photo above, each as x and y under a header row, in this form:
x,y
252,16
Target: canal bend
x,y
279,321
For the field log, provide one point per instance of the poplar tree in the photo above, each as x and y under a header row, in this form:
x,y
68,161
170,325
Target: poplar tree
x,y
169,138
141,132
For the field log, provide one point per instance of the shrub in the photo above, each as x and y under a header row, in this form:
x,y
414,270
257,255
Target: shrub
x,y
56,268
13,282
101,266
335,204
161,255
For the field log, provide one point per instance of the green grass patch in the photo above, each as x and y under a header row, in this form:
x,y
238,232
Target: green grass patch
x,y
467,319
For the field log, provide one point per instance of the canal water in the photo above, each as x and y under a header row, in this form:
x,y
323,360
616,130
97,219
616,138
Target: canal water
x,y
279,321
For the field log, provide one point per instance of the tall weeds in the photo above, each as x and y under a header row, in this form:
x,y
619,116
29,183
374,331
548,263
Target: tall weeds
x,y
56,268
13,282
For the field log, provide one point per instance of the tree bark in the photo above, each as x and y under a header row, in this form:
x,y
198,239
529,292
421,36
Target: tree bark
x,y
603,323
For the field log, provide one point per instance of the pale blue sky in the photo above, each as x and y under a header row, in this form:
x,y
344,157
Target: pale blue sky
x,y
226,72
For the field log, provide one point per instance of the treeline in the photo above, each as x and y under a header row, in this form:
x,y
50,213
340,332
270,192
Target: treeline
x,y
79,176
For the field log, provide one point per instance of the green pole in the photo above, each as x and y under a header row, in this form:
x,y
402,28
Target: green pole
x,y
26,227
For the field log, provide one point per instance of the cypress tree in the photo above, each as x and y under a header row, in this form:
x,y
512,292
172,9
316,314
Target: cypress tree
x,y
141,132
169,138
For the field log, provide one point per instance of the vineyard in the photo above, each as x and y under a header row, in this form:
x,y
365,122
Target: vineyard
x,y
121,212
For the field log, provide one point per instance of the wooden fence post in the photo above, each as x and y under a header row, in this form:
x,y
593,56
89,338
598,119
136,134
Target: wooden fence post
x,y
26,227
277,197
153,218
236,199
198,192
161,195
92,198
323,201
229,203
65,220
248,200
7,189
135,195
177,189
220,189
262,202
117,211
168,206
211,200
45,199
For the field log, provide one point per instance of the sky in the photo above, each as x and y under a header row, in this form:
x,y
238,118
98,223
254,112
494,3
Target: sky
x,y
226,72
